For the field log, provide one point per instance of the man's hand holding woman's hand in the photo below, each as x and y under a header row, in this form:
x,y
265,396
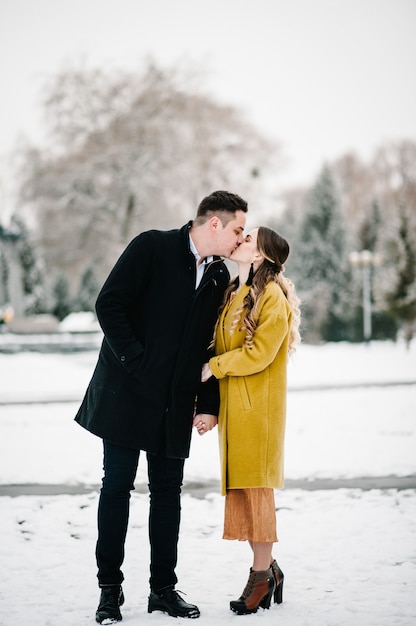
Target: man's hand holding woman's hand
x,y
204,422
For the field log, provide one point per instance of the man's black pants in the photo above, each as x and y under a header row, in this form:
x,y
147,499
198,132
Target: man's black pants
x,y
165,482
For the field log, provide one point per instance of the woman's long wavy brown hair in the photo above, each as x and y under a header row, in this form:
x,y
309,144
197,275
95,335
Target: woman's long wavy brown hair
x,y
275,250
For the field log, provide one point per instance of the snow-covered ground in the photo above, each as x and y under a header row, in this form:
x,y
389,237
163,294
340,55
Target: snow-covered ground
x,y
349,556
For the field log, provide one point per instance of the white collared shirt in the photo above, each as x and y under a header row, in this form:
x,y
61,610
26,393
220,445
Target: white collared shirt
x,y
200,267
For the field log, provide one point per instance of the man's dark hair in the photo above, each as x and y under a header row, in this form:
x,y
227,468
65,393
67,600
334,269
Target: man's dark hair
x,y
221,203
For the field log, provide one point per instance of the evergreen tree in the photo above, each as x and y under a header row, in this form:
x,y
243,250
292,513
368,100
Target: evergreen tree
x,y
63,305
319,264
369,228
35,295
4,276
396,278
88,291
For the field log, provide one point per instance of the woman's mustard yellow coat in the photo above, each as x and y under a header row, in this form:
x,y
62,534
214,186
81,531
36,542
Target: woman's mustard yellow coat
x,y
253,387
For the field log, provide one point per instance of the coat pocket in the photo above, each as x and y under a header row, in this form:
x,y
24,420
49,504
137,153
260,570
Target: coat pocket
x,y
244,395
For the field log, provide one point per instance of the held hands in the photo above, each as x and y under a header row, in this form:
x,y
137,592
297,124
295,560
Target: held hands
x,y
206,373
204,422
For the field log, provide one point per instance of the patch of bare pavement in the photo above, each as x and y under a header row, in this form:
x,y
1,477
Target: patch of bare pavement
x,y
202,489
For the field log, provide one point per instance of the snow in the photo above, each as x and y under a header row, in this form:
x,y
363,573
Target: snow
x,y
84,321
349,555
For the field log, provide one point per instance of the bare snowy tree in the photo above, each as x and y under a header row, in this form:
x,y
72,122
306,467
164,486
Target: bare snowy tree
x,y
129,152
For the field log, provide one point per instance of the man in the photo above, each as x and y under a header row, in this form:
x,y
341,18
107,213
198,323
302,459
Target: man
x,y
157,309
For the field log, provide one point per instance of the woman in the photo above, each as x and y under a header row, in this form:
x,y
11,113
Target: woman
x,y
256,330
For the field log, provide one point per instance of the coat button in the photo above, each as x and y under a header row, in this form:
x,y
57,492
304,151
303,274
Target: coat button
x,y
123,358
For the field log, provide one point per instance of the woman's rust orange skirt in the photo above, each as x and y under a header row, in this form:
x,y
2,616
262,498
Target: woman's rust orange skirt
x,y
250,515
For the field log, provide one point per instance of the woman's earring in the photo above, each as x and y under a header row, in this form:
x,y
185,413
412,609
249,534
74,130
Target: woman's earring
x,y
250,276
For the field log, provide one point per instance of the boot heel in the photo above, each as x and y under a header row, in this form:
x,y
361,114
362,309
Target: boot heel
x,y
279,578
278,593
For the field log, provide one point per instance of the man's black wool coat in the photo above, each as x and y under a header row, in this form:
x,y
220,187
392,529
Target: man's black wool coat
x,y
157,329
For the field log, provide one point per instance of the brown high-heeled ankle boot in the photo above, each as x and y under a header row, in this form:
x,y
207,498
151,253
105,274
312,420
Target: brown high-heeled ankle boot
x,y
278,578
258,592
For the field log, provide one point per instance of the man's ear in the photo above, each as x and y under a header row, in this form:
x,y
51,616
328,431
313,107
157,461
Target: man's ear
x,y
214,222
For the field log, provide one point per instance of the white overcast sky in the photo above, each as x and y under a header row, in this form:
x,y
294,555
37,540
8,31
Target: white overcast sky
x,y
322,76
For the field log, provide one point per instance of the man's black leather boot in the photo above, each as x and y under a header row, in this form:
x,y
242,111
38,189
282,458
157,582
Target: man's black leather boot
x,y
170,602
111,600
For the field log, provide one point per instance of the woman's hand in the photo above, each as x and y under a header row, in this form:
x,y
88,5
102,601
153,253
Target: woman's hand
x,y
204,422
206,373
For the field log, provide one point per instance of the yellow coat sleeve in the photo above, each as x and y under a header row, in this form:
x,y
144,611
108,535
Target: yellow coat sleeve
x,y
271,330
